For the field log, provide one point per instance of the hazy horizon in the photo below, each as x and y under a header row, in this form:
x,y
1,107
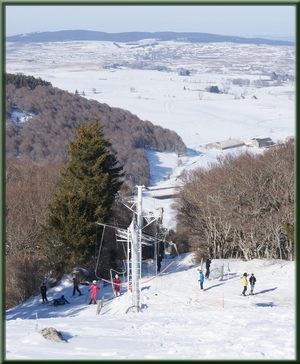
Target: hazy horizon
x,y
233,20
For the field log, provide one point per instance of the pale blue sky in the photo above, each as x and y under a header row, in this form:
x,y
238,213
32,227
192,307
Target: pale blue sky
x,y
239,20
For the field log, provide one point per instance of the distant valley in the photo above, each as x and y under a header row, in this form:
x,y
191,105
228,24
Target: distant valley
x,y
169,83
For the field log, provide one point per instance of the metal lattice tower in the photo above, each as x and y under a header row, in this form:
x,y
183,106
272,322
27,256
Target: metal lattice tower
x,y
136,251
133,237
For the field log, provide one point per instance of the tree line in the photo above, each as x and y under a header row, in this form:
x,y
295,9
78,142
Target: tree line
x,y
54,114
52,212
20,80
39,244
241,207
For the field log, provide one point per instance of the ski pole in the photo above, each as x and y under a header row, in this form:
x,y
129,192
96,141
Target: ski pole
x,y
87,293
36,322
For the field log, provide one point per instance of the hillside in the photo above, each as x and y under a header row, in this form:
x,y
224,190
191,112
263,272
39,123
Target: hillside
x,y
85,35
41,120
171,100
177,320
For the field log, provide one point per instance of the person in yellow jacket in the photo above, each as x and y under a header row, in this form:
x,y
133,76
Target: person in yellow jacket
x,y
244,284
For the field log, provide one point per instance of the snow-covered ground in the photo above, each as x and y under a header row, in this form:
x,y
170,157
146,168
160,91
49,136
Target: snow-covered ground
x,y
176,102
177,320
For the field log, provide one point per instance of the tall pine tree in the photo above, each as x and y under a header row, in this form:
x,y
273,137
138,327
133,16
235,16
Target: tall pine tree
x,y
86,192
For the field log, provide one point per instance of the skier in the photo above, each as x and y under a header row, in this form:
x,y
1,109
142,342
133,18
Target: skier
x,y
44,292
252,281
75,287
61,301
116,282
94,288
201,280
159,259
208,263
244,284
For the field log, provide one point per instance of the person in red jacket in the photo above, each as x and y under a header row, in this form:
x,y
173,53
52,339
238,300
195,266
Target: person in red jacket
x,y
117,285
94,288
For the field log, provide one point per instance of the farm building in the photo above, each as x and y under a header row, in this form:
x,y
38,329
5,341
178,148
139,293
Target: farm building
x,y
225,144
262,143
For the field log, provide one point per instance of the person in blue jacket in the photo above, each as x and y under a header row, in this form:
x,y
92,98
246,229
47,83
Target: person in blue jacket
x,y
201,280
60,301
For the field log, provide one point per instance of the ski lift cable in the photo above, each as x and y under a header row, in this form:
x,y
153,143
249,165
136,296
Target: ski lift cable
x,y
174,245
101,243
137,213
150,222
146,281
150,279
125,284
119,199
110,226
162,188
125,253
99,253
125,231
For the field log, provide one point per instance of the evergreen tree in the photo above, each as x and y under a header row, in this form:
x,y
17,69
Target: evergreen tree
x,y
25,81
86,192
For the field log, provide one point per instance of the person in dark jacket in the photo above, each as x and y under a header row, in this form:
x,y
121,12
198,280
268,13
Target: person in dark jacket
x,y
159,259
252,281
208,263
75,287
44,292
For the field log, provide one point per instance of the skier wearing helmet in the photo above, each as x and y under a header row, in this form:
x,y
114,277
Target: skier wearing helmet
x,y
94,288
117,285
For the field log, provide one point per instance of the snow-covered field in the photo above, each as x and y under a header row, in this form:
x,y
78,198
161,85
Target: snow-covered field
x,y
178,321
103,72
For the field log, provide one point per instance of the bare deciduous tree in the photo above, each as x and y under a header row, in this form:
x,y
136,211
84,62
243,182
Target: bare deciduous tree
x,y
236,207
